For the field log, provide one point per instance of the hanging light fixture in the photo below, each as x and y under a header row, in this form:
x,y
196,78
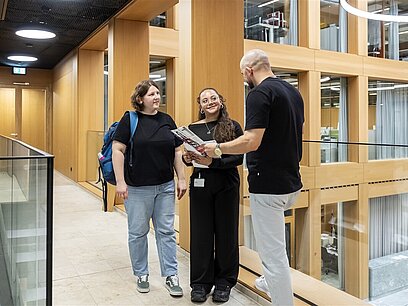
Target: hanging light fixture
x,y
368,15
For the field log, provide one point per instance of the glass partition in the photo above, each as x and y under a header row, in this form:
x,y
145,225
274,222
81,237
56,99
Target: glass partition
x,y
333,26
158,73
271,21
159,21
388,39
26,180
334,118
387,119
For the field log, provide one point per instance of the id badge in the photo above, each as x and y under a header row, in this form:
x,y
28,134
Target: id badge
x,y
199,182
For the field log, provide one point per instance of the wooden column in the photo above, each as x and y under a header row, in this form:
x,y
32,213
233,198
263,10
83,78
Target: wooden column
x,y
351,247
18,112
211,46
363,238
90,105
358,117
183,112
357,30
309,24
309,87
308,228
128,60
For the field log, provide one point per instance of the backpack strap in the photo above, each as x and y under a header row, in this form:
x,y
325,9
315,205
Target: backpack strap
x,y
134,120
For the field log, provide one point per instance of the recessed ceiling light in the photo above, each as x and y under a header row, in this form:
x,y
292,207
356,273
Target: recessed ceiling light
x,y
36,34
22,58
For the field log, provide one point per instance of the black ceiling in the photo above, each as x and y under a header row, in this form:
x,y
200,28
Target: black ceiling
x,y
71,20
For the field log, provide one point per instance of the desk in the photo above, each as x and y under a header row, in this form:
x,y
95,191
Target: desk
x,y
268,30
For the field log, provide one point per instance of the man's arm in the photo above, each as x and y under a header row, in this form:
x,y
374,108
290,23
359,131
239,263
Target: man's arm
x,y
248,142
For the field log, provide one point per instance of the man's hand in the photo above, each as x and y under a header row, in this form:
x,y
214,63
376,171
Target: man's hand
x,y
207,149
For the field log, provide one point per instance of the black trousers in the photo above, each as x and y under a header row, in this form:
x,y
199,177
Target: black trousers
x,y
214,213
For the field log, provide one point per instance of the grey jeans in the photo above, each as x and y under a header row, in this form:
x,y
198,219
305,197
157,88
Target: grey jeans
x,y
269,229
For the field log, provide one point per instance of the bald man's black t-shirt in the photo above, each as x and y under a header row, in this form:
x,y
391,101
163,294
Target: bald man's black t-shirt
x,y
153,149
276,106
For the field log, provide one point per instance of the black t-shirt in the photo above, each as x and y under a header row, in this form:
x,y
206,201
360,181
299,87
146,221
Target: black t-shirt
x,y
153,149
278,107
206,133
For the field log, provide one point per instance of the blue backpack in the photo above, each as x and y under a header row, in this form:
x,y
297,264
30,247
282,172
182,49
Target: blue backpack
x,y
106,173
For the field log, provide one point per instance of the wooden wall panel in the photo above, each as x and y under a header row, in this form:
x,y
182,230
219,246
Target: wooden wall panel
x,y
343,194
163,42
385,69
333,62
387,188
346,174
90,105
36,77
384,170
65,118
34,118
98,41
284,56
7,111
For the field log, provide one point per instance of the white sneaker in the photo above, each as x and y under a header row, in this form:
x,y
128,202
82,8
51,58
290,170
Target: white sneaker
x,y
261,285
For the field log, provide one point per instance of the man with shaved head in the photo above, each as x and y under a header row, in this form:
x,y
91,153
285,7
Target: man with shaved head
x,y
273,141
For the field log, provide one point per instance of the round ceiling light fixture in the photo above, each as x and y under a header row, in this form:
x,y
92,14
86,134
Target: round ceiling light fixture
x,y
22,58
35,34
368,15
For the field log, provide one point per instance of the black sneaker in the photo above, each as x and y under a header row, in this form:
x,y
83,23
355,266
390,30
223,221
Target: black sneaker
x,y
199,294
221,293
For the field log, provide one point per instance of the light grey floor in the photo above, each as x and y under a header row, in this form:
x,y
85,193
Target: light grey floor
x,y
5,293
91,261
396,299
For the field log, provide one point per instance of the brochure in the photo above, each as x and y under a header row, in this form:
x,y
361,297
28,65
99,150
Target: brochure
x,y
191,142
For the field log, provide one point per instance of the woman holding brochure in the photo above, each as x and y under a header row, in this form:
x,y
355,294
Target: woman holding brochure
x,y
214,203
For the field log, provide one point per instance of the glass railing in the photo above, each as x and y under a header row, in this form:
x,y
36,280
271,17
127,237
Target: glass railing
x,y
26,197
349,223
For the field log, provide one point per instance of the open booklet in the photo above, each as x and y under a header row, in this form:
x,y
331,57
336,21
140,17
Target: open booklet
x,y
191,142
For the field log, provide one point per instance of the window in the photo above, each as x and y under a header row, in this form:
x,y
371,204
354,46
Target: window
x,y
159,21
387,119
271,21
158,74
388,39
333,119
333,26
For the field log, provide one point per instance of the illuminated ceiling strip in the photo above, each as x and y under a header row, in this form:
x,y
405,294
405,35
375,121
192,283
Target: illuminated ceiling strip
x,y
267,3
364,14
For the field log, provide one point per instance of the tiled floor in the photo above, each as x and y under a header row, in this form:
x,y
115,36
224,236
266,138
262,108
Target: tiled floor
x,y
91,261
396,299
